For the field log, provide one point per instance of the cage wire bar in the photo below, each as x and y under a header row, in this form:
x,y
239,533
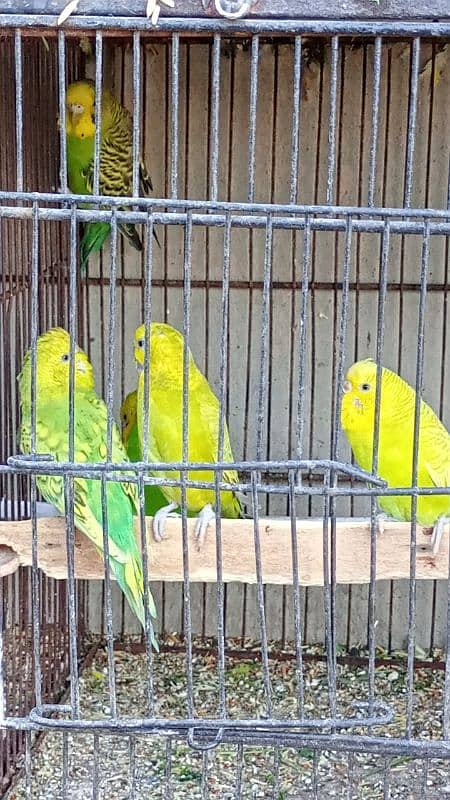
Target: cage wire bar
x,y
327,480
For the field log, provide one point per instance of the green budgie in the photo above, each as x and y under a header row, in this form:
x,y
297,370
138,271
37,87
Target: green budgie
x,y
154,498
116,159
90,432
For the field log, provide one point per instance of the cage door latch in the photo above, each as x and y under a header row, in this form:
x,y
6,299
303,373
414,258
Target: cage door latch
x,y
230,9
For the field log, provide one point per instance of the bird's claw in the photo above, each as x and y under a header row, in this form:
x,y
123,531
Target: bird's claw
x,y
438,530
204,518
159,521
380,519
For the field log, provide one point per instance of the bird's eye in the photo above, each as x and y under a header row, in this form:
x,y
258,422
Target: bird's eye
x,y
140,342
124,418
65,357
365,387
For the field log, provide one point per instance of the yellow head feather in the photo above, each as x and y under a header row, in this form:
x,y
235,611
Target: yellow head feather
x,y
359,391
128,415
166,349
53,366
80,110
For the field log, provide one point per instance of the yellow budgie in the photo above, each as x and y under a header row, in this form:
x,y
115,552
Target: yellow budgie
x,y
116,159
395,450
165,426
90,437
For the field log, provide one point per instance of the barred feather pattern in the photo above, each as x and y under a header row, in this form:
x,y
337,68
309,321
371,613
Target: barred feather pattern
x,y
116,161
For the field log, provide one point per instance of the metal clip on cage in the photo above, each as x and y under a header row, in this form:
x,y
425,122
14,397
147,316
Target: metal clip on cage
x,y
229,9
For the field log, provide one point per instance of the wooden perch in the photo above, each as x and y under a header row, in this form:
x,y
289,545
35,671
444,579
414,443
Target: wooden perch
x,y
166,560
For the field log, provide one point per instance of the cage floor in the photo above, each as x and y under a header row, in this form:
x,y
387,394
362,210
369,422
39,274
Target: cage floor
x,y
147,767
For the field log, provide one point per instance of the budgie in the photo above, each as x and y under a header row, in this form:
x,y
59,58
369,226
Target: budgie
x,y
165,426
116,159
395,448
154,498
90,432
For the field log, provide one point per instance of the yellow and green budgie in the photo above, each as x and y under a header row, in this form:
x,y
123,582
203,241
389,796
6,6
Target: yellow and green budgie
x,y
154,498
116,159
395,446
90,437
165,414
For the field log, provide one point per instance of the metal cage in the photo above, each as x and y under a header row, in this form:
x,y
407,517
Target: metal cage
x,y
301,204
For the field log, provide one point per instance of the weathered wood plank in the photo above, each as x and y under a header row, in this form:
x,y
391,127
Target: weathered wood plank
x,y
238,556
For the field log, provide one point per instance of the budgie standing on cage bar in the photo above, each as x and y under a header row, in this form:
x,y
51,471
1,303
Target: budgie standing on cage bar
x,y
165,434
116,159
90,438
395,446
154,498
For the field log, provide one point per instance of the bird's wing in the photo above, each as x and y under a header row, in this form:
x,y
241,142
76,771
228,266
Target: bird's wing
x,y
209,410
435,449
116,157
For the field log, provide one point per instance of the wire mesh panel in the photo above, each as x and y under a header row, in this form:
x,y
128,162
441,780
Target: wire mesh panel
x,y
298,222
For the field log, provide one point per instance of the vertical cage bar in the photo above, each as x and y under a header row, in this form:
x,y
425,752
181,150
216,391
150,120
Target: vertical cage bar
x,y
214,118
104,492
262,385
132,777
35,594
98,108
412,118
295,134
338,374
19,108
149,632
331,157
96,767
300,688
136,110
300,416
261,600
68,480
252,118
174,121
328,599
28,765
218,476
168,794
384,264
415,462
374,120
65,766
187,273
62,111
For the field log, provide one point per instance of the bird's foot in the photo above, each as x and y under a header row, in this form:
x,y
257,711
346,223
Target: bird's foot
x,y
159,521
204,518
380,519
438,530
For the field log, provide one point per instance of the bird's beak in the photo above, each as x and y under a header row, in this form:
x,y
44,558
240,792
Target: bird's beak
x,y
76,109
81,367
139,366
346,387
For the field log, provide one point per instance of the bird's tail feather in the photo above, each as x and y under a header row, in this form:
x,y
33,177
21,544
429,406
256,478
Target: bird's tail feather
x,y
130,580
129,231
93,239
